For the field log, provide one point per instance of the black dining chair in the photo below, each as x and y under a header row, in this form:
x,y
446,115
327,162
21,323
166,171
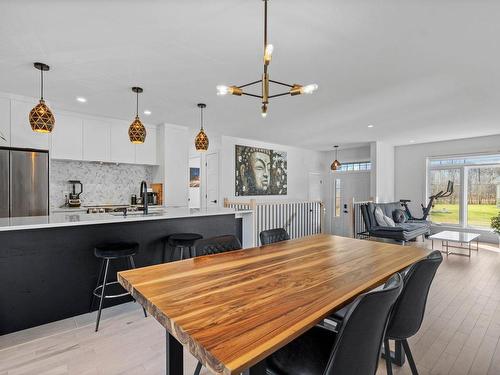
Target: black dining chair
x,y
215,245
409,309
408,312
354,350
273,235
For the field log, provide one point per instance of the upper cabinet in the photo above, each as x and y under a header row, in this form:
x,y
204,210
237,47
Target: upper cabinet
x,y
96,140
146,153
4,122
67,138
21,134
122,150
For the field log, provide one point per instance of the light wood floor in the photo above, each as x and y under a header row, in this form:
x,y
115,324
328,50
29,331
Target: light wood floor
x,y
460,333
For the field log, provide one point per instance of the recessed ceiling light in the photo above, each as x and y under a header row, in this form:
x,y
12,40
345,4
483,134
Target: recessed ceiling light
x,y
147,112
81,99
412,141
370,126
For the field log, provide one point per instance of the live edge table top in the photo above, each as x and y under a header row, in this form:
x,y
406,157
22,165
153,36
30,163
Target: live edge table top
x,y
234,309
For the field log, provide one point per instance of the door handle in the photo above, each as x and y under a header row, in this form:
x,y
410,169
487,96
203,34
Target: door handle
x,y
214,201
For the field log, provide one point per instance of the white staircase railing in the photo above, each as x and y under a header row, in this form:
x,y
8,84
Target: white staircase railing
x,y
298,218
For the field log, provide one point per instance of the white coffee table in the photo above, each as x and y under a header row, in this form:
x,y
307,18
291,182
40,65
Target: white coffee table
x,y
461,238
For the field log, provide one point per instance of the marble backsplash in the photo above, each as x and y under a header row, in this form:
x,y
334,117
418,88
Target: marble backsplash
x,y
102,183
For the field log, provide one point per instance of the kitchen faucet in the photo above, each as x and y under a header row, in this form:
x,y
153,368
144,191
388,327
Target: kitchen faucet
x,y
144,194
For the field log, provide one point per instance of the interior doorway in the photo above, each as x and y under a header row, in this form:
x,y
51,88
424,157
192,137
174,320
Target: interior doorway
x,y
194,200
344,187
212,180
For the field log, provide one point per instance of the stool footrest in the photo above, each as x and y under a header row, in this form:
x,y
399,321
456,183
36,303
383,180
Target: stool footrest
x,y
99,295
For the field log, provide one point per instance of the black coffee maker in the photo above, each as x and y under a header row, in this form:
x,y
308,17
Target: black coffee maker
x,y
74,196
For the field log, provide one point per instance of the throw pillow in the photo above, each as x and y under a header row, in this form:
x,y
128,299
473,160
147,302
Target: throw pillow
x,y
379,217
389,221
399,216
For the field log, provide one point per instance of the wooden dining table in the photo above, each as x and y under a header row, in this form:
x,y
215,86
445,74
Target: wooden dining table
x,y
234,309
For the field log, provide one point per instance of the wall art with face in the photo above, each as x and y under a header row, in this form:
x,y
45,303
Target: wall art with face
x,y
259,171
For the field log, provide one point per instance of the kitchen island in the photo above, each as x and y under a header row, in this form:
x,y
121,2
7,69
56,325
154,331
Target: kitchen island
x,y
47,264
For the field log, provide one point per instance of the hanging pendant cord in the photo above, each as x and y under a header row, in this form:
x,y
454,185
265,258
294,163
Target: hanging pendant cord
x,y
41,86
137,105
201,117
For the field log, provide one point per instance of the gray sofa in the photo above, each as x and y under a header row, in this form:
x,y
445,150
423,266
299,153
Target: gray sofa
x,y
405,230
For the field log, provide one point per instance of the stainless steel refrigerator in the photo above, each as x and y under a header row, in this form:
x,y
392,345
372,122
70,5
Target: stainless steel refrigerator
x,y
24,182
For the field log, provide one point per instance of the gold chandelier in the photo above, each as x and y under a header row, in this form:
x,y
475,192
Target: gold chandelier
x,y
293,89
41,118
136,130
201,140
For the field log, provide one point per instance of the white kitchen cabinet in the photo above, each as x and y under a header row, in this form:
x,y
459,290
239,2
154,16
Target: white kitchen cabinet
x,y
67,138
96,140
4,122
122,150
21,134
146,153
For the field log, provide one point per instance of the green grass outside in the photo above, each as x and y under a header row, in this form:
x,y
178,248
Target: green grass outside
x,y
478,215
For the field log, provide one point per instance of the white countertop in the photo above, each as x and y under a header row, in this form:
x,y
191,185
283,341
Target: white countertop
x,y
78,218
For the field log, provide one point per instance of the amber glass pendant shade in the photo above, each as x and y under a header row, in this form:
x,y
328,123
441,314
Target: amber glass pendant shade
x,y
335,165
41,118
137,131
201,140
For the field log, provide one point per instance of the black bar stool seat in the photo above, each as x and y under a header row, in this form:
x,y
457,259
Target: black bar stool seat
x,y
184,241
108,252
116,250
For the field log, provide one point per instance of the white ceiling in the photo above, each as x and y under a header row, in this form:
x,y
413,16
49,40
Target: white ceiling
x,y
421,70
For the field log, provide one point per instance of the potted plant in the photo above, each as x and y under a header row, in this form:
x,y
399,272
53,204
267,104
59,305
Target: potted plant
x,y
495,224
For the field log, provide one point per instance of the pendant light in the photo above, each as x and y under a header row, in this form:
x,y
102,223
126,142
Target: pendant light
x,y
136,130
291,89
201,140
41,118
336,163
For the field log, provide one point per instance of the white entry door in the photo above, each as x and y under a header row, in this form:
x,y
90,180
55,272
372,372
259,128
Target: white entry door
x,y
346,186
212,180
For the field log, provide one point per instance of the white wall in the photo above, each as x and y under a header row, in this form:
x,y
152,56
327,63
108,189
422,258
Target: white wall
x,y
174,158
348,155
382,174
300,162
410,163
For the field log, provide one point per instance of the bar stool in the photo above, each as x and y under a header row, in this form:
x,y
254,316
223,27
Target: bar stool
x,y
182,241
108,252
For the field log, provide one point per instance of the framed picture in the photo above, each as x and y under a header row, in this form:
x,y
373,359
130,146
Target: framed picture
x,y
194,177
260,171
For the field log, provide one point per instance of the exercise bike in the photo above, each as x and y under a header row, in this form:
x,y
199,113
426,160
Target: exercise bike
x,y
427,210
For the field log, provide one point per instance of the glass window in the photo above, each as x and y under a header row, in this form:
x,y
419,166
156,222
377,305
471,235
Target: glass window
x,y
356,166
466,160
337,197
483,187
480,197
445,210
